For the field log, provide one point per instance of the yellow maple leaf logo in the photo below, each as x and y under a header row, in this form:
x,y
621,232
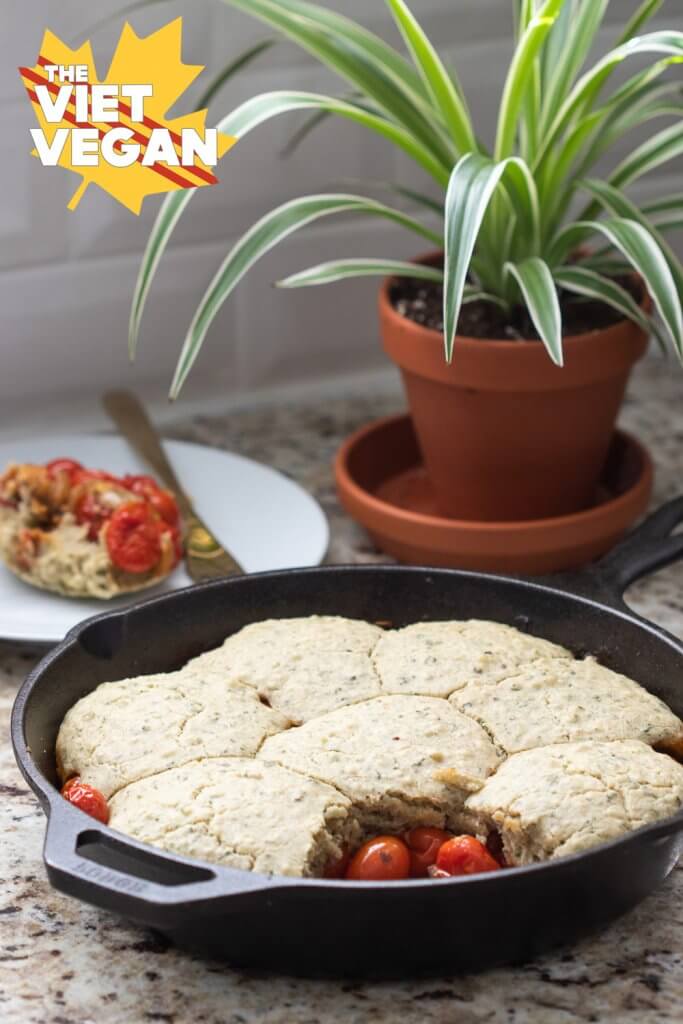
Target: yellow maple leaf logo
x,y
154,59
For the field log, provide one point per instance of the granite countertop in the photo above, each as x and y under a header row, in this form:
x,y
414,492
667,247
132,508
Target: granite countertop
x,y
62,962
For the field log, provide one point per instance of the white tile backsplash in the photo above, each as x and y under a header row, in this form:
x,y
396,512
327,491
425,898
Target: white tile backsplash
x,y
289,335
65,327
33,198
66,279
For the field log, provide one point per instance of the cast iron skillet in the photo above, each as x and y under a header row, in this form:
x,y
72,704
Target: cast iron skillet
x,y
312,926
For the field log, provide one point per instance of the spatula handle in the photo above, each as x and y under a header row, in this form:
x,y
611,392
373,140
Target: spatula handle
x,y
130,416
206,558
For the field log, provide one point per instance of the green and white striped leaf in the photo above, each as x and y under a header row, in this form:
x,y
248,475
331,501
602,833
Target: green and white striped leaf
x,y
439,83
418,198
168,216
610,267
604,126
262,108
647,101
520,74
585,24
615,202
523,11
473,183
557,41
300,134
641,250
584,281
589,84
260,239
540,295
640,17
660,148
341,270
234,67
520,187
664,205
318,117
370,44
348,52
672,223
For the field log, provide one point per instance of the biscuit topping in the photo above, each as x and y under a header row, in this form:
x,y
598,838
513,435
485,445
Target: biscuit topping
x,y
282,751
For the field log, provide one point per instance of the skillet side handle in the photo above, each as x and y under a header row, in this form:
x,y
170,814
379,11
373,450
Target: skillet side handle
x,y
651,546
87,860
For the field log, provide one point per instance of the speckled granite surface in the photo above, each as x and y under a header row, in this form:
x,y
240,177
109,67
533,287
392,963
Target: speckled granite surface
x,y
64,963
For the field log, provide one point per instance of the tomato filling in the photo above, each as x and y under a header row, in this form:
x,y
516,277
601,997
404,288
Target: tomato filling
x,y
424,845
162,501
95,502
463,855
68,466
383,859
419,853
86,798
137,519
133,537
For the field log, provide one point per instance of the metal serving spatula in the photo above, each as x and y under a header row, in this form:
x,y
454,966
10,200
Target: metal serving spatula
x,y
205,556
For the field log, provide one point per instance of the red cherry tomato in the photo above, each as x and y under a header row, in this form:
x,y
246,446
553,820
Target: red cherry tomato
x,y
87,799
139,483
165,504
384,859
92,510
133,537
69,466
176,538
163,501
81,476
465,855
424,844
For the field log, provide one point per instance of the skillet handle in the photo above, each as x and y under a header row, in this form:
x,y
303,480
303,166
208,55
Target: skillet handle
x,y
649,547
90,861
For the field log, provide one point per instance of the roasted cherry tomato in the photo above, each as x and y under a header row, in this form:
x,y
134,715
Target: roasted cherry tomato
x,y
465,855
165,504
139,483
69,466
176,538
80,476
91,509
424,844
163,501
133,537
337,868
384,859
87,799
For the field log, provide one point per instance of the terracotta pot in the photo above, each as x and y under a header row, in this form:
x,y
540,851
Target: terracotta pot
x,y
504,433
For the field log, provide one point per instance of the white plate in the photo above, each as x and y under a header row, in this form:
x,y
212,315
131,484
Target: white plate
x,y
264,519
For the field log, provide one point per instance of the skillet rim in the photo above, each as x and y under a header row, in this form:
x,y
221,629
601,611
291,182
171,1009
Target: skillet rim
x,y
53,805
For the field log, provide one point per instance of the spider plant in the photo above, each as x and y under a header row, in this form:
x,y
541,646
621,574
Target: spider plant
x,y
513,214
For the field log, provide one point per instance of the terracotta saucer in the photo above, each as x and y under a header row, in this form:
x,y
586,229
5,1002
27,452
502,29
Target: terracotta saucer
x,y
383,485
